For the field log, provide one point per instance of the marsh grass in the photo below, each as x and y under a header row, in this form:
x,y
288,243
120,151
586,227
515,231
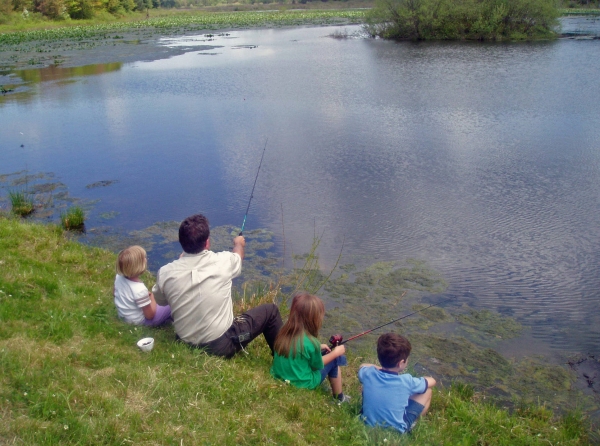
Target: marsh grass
x,y
195,21
21,202
70,373
73,219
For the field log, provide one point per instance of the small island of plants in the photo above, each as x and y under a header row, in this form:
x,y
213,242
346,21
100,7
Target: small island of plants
x,y
463,19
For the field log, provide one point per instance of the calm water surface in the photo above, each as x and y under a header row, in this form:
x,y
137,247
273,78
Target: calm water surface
x,y
481,159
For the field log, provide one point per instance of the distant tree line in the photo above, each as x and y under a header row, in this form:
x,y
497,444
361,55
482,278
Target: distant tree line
x,y
463,19
74,9
87,9
405,19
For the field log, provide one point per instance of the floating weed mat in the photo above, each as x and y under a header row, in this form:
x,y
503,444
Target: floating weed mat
x,y
531,380
491,323
362,299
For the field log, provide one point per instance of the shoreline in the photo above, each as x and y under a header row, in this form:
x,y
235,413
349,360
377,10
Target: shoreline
x,y
139,41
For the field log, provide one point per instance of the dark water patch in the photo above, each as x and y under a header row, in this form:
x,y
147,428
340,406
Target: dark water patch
x,y
102,183
587,370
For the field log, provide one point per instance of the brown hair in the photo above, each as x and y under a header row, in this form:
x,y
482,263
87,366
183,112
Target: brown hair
x,y
131,262
391,349
306,317
193,233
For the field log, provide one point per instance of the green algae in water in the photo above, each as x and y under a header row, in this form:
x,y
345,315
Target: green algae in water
x,y
109,215
45,188
103,183
163,232
491,323
385,280
459,357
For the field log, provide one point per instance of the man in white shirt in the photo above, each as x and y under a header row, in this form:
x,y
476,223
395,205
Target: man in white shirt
x,y
197,286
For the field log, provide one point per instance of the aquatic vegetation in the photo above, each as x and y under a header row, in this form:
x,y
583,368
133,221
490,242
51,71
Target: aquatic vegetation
x,y
50,197
491,323
385,280
187,23
535,379
102,183
580,11
108,215
73,219
459,357
21,202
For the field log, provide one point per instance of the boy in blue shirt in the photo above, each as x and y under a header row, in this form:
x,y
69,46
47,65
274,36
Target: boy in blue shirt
x,y
392,399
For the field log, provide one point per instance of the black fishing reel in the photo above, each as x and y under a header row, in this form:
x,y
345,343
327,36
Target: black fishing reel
x,y
335,340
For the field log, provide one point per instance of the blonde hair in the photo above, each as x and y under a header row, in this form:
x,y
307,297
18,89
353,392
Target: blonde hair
x,y
306,317
131,262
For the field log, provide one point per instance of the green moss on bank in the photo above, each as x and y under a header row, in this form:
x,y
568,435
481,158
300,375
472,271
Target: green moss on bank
x,y
70,373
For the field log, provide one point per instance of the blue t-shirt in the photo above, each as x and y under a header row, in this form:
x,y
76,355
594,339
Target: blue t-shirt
x,y
385,396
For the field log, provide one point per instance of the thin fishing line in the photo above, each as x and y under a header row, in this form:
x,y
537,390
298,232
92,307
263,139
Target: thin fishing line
x,y
252,193
395,320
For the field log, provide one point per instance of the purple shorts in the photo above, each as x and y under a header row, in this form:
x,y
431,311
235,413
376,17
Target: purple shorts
x,y
162,316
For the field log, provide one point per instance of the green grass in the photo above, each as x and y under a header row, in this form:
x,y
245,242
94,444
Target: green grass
x,y
580,11
70,373
21,202
73,218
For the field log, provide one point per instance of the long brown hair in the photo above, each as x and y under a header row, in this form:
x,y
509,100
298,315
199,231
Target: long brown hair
x,y
306,316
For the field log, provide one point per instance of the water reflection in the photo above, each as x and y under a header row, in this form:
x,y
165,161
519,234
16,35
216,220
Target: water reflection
x,y
25,84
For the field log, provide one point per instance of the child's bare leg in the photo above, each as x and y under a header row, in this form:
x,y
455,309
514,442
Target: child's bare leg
x,y
336,383
423,399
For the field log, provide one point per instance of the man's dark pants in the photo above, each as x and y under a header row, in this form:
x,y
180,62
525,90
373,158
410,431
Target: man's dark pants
x,y
263,319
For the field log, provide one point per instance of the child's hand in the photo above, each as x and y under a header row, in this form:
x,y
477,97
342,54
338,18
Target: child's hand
x,y
325,348
339,350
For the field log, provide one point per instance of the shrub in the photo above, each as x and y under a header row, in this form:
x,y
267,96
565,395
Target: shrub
x,y
462,19
73,219
54,9
6,7
80,9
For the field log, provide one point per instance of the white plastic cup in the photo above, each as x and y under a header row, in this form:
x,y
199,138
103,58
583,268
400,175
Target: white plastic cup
x,y
146,344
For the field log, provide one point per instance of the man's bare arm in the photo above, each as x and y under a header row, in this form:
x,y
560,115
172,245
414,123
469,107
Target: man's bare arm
x,y
239,244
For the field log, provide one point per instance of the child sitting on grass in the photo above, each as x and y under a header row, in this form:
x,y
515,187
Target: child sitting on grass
x,y
135,304
299,358
391,399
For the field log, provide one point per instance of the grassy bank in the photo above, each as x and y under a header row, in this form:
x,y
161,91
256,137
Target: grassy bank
x,y
70,373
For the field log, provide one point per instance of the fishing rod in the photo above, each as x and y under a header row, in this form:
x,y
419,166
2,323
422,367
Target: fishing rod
x,y
252,193
337,339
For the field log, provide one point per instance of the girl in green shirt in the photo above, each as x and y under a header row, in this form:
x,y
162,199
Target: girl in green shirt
x,y
299,357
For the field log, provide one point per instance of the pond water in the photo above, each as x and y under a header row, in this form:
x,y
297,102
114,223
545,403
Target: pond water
x,y
482,160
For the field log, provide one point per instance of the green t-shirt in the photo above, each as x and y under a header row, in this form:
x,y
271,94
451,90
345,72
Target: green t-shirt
x,y
302,369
